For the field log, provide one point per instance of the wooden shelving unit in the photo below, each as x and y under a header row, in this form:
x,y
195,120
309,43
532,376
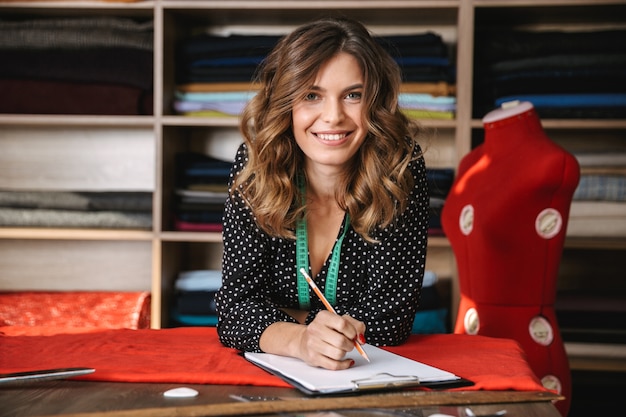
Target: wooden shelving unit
x,y
150,260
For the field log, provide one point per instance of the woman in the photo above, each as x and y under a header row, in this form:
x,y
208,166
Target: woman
x,y
331,168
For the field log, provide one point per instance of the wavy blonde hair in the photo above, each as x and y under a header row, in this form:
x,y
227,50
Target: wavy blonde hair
x,y
376,188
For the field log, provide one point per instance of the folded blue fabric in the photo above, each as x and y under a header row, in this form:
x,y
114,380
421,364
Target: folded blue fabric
x,y
569,100
232,108
423,60
430,321
227,62
199,280
601,188
193,320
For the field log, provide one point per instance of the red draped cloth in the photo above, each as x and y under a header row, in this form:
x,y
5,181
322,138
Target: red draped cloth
x,y
194,355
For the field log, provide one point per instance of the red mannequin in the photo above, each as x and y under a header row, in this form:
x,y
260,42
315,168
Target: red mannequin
x,y
506,217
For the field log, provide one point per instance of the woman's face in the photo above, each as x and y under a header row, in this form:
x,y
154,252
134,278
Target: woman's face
x,y
327,122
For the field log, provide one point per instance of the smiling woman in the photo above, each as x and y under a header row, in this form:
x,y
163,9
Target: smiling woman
x,y
330,179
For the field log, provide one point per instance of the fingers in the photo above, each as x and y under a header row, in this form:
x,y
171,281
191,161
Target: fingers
x,y
359,327
328,338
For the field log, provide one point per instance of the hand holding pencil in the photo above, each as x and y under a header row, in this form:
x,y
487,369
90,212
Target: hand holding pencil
x,y
330,308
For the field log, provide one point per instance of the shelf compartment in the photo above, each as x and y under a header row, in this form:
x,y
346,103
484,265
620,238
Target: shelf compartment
x,y
183,256
75,265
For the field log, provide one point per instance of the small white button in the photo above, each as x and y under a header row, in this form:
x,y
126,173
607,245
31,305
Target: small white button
x,y
471,321
541,331
551,382
548,223
182,392
466,219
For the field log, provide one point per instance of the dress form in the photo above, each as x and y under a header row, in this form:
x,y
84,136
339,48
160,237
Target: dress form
x,y
506,218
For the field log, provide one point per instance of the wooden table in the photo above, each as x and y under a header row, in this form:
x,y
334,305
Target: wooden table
x,y
113,399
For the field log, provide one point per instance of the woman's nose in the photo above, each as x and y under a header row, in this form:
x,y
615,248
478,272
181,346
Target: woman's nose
x,y
332,111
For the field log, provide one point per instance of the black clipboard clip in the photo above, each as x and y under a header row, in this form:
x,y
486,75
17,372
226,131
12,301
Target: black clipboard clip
x,y
385,380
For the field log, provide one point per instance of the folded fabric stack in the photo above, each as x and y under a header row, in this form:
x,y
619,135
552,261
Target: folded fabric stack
x,y
431,316
88,65
429,76
439,184
563,74
599,204
101,210
194,300
214,73
201,191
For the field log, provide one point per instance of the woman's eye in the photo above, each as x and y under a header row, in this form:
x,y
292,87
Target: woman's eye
x,y
310,97
354,96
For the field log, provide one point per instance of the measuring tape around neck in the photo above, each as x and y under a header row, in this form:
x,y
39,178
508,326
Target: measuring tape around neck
x,y
302,259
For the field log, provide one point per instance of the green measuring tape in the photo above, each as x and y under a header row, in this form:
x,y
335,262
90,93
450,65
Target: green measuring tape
x,y
302,260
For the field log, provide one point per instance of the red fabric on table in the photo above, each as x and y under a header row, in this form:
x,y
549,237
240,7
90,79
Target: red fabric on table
x,y
195,355
493,364
180,355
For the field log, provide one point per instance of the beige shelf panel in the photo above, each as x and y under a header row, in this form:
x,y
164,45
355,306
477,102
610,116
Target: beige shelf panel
x,y
76,120
74,265
73,234
72,158
596,356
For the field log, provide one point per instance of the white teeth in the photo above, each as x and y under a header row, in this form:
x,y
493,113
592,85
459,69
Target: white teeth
x,y
335,136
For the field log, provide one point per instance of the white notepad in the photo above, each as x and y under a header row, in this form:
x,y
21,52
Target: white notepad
x,y
385,371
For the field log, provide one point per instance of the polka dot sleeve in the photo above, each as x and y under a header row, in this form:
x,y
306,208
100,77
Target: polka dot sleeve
x,y
244,309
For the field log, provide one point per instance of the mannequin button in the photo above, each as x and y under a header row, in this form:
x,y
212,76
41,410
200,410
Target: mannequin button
x,y
551,382
548,223
471,321
541,331
466,219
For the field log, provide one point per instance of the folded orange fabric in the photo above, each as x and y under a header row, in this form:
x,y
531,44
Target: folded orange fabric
x,y
195,355
75,309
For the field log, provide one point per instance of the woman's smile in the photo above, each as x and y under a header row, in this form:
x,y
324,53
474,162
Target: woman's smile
x,y
332,137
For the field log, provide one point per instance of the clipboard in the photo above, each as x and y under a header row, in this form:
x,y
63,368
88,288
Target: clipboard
x,y
386,371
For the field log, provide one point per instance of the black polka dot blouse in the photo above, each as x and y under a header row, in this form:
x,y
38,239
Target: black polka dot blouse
x,y
378,284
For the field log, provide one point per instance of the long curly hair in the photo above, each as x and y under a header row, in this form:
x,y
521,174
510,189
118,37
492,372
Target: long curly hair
x,y
376,187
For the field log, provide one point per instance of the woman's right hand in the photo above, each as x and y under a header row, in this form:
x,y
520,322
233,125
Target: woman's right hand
x,y
323,343
327,339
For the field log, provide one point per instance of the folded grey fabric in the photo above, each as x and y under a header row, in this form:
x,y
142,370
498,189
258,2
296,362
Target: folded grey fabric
x,y
83,201
96,22
70,33
10,217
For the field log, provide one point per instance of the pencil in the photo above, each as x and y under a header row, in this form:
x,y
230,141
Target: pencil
x,y
330,308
